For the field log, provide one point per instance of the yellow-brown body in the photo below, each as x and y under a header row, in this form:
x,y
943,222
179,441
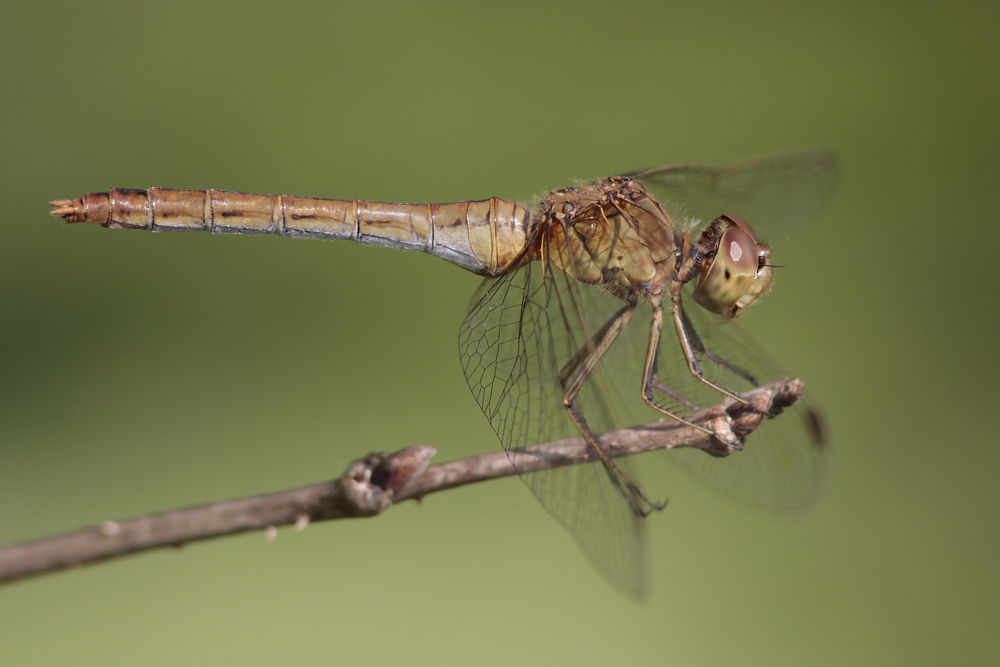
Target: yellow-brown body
x,y
611,231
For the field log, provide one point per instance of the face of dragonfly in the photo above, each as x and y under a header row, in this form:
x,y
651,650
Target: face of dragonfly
x,y
736,270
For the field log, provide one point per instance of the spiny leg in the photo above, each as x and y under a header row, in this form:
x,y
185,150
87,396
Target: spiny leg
x,y
586,360
731,367
698,346
588,348
655,382
650,378
690,343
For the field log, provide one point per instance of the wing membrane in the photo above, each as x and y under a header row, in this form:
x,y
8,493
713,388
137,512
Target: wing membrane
x,y
782,465
773,193
521,332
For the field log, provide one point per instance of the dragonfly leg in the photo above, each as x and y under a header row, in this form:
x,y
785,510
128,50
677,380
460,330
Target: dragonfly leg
x,y
691,343
670,392
733,368
590,347
650,379
698,346
583,363
688,334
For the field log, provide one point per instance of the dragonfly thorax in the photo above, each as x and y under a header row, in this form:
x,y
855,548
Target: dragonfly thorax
x,y
611,232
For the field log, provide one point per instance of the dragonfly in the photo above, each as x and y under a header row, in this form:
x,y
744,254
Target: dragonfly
x,y
605,305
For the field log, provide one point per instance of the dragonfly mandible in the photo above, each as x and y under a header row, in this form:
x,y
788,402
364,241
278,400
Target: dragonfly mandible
x,y
566,336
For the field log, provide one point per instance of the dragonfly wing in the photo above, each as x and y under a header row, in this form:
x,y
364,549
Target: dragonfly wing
x,y
522,330
773,193
782,467
783,463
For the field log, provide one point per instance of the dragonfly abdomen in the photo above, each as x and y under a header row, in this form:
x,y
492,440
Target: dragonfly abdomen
x,y
483,236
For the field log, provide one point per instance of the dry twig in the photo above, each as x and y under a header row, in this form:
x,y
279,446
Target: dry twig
x,y
369,487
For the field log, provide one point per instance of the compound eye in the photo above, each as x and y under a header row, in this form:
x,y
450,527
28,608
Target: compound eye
x,y
739,251
742,225
731,273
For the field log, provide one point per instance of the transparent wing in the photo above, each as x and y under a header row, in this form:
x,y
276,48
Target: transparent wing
x,y
783,463
524,328
521,331
772,193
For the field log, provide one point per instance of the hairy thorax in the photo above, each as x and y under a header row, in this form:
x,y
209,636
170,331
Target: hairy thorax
x,y
610,233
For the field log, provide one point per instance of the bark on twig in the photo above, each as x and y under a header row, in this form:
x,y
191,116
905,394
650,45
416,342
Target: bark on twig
x,y
370,486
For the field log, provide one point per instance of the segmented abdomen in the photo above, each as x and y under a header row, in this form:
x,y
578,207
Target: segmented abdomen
x,y
483,236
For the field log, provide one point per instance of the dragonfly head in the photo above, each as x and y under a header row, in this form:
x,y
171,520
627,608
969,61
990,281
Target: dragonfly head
x,y
736,269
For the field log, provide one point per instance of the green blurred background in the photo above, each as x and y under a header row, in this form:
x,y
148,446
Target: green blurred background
x,y
141,373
